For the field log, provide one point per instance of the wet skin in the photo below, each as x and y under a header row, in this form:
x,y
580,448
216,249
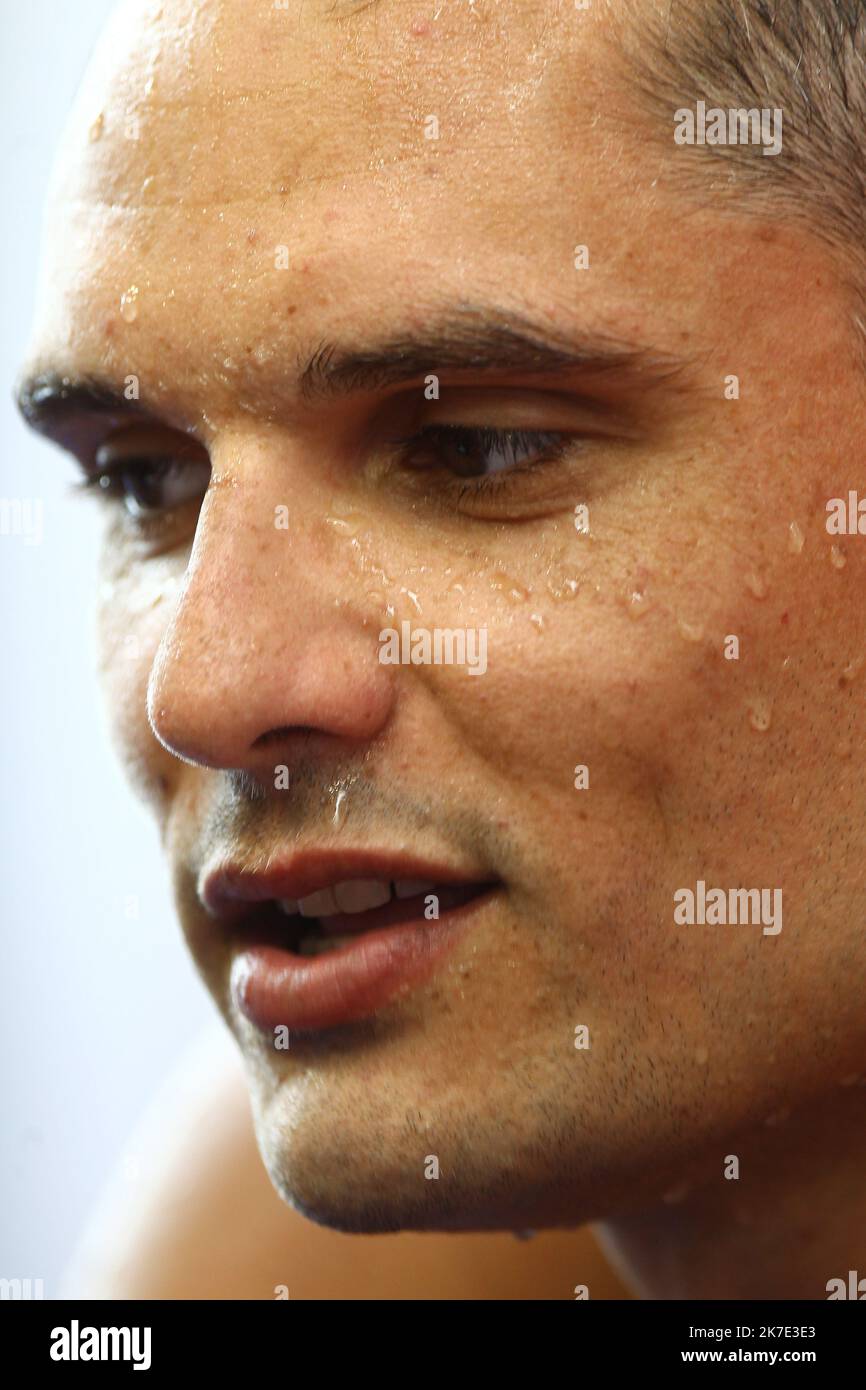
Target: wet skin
x,y
255,646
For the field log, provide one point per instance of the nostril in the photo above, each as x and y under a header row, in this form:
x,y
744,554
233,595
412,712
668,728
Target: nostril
x,y
280,735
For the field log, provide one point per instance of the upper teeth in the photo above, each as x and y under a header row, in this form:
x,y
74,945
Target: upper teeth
x,y
353,895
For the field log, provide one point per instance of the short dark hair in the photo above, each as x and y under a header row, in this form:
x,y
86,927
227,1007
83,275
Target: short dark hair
x,y
806,57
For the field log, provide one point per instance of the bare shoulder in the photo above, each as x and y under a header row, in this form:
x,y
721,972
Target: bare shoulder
x,y
191,1214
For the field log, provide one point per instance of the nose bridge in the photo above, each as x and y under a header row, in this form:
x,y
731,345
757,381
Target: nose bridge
x,y
257,642
239,569
242,556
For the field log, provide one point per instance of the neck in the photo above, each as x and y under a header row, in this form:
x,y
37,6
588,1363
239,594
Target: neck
x,y
791,1222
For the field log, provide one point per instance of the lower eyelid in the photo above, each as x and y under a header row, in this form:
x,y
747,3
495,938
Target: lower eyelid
x,y
514,473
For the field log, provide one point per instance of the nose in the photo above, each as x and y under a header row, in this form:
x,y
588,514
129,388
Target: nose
x,y
267,643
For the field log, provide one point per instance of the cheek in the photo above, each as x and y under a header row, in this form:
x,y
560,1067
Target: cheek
x,y
134,608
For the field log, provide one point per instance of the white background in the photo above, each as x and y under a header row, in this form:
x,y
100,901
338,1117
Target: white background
x,y
95,1005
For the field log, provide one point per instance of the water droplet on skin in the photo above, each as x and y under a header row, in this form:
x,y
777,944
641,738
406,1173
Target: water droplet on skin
x,y
756,585
760,714
563,588
347,525
537,621
456,588
852,670
795,801
374,577
341,809
690,632
413,599
513,590
637,602
129,304
837,559
796,538
95,132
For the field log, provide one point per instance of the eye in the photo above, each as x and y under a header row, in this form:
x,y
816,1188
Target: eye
x,y
479,452
149,485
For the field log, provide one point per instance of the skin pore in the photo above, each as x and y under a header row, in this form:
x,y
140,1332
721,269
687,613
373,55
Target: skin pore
x,y
273,375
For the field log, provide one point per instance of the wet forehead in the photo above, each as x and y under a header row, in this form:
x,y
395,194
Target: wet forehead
x,y
208,135
237,98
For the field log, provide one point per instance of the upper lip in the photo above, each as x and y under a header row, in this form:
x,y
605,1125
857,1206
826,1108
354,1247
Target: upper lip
x,y
229,890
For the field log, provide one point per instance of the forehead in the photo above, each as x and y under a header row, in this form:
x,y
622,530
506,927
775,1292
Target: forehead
x,y
253,179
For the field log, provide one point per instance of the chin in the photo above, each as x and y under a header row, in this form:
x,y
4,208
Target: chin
x,y
368,1177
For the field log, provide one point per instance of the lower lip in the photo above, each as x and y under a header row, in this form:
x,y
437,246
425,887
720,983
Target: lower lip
x,y
273,987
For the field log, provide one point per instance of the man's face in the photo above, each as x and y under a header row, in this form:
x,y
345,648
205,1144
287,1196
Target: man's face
x,y
288,191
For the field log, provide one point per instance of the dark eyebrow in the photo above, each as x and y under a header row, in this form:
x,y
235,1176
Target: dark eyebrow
x,y
51,403
474,340
477,341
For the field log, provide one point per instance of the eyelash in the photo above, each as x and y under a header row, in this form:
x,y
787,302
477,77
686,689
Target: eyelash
x,y
429,444
106,482
545,447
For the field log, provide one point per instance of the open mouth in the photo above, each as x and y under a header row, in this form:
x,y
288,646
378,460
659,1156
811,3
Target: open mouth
x,y
334,917
320,939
